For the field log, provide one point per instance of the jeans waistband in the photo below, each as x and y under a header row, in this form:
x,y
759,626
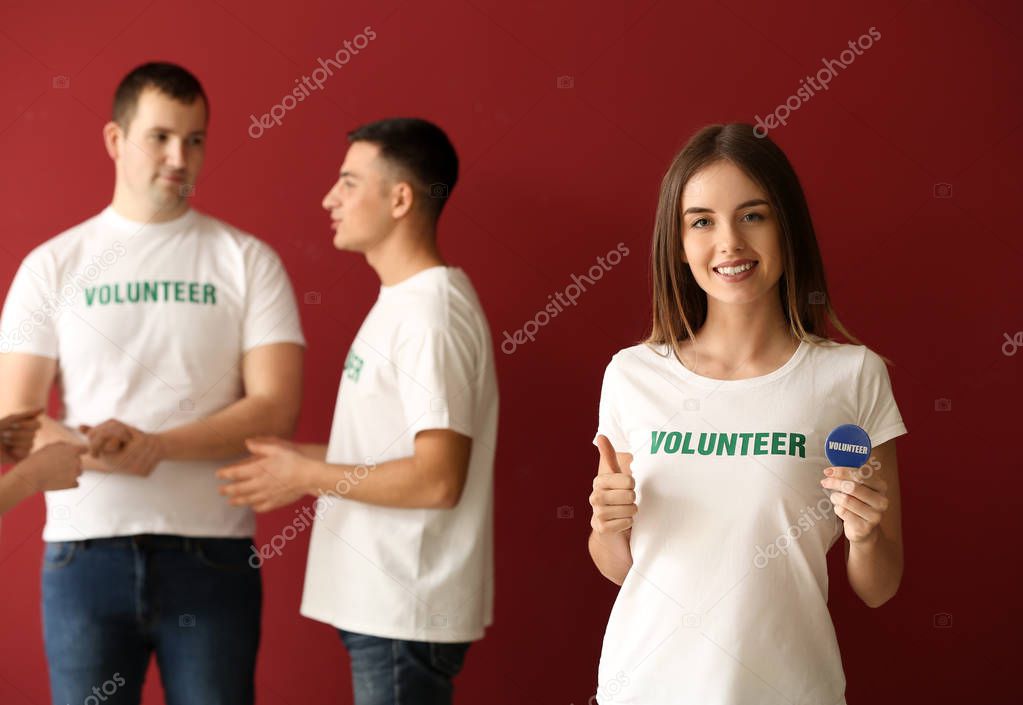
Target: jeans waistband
x,y
144,541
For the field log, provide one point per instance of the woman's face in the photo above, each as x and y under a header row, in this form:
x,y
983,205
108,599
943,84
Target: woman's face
x,y
730,236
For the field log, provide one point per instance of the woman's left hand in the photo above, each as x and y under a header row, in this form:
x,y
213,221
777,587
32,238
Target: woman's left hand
x,y
860,500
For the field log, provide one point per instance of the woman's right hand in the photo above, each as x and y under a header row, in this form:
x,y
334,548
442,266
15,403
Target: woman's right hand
x,y
614,493
17,433
53,467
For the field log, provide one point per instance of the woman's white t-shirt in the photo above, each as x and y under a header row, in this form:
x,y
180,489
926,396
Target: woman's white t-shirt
x,y
726,600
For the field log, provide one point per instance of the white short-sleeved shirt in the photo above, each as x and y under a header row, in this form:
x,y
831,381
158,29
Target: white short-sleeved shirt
x,y
421,360
148,323
726,600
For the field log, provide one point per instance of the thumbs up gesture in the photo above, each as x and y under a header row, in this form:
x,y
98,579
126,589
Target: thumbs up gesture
x,y
614,492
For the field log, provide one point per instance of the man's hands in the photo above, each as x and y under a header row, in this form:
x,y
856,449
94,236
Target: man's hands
x,y
54,467
17,433
275,475
124,448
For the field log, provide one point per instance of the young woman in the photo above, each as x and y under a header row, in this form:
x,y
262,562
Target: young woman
x,y
714,506
54,467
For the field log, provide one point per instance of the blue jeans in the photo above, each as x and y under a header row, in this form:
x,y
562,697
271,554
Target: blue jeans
x,y
397,672
109,604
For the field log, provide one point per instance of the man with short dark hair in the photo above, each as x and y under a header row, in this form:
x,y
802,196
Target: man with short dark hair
x,y
174,336
401,554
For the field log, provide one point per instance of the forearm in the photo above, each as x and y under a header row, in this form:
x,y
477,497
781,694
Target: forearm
x,y
612,555
395,483
875,569
222,435
314,451
13,489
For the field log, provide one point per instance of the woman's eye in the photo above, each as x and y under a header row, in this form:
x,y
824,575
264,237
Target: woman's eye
x,y
696,223
756,216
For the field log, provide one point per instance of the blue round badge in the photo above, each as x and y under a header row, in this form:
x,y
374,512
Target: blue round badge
x,y
848,446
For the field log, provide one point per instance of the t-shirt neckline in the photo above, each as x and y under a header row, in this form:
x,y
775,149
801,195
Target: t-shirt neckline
x,y
114,219
711,383
422,274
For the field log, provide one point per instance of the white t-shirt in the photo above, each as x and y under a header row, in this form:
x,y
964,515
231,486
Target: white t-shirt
x,y
148,323
726,601
421,360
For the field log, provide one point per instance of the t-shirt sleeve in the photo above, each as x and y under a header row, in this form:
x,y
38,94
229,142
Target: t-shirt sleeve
x,y
271,315
436,372
608,415
877,412
29,320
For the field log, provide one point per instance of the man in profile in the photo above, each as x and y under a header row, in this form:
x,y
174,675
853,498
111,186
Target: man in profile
x,y
401,554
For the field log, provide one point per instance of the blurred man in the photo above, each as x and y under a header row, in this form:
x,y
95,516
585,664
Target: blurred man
x,y
174,337
401,554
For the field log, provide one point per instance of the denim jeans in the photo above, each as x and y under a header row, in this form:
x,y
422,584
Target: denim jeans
x,y
397,672
109,604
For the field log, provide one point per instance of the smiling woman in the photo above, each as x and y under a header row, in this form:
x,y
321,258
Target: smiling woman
x,y
686,492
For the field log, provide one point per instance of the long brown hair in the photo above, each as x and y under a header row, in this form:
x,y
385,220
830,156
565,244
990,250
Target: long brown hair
x,y
679,304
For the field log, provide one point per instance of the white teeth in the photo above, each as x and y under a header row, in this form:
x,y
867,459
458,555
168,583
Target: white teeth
x,y
735,270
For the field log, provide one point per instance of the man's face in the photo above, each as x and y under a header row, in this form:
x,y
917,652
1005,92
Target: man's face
x,y
360,203
159,157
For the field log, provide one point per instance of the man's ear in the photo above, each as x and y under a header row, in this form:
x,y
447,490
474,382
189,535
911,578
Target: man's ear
x,y
113,139
402,199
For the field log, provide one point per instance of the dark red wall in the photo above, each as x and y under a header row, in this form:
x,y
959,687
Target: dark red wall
x,y
553,177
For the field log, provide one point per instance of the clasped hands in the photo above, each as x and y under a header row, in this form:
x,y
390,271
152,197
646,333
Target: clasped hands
x,y
123,448
275,475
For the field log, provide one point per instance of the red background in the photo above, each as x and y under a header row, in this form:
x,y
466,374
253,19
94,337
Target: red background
x,y
552,178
